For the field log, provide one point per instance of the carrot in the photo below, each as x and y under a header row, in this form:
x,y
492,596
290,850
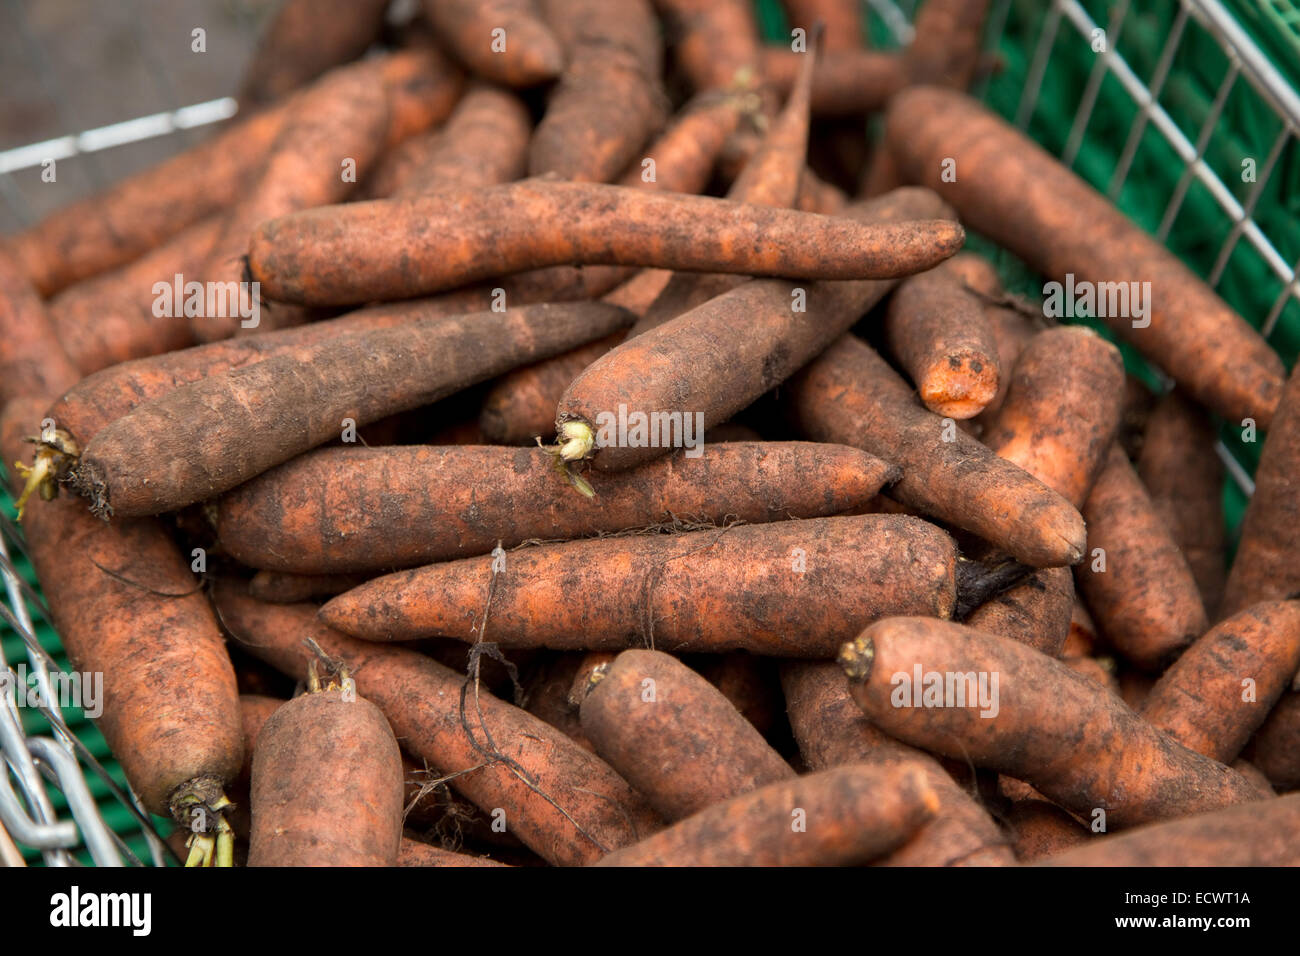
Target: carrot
x,y
547,684
315,514
286,587
840,817
32,359
1182,472
327,783
126,607
1261,834
1036,613
770,177
1275,748
702,362
521,405
1011,190
415,853
1041,829
832,731
131,311
1218,693
674,736
842,20
254,711
1265,567
563,802
850,395
947,46
715,42
306,38
1062,410
483,143
143,211
749,682
1135,580
1032,728
422,88
337,255
794,588
844,83
609,100
501,40
341,118
115,392
237,425
936,330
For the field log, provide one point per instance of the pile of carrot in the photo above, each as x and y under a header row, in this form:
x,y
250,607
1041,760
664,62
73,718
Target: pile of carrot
x,y
626,468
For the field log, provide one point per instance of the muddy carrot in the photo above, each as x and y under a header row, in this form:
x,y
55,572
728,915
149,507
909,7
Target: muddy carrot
x,y
314,515
714,42
521,405
415,853
1266,567
1183,474
1036,613
832,731
674,736
853,815
127,607
1275,748
842,20
1031,728
844,83
947,45
720,357
143,211
306,38
340,119
340,255
237,425
504,41
792,589
1222,688
1265,833
609,100
850,395
1017,194
1040,829
327,783
286,587
483,143
137,309
749,682
114,392
32,360
1062,410
1135,579
563,802
937,331
254,711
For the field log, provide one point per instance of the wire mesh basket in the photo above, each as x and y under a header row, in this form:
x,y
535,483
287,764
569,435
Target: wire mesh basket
x,y
1173,109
